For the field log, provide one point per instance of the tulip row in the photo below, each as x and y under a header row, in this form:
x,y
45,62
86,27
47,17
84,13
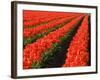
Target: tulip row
x,y
30,32
33,52
78,53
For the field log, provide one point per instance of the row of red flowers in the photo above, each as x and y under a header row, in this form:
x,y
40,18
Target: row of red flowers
x,y
78,54
29,32
33,52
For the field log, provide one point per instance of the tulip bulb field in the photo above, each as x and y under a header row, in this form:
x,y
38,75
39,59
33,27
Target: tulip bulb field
x,y
55,39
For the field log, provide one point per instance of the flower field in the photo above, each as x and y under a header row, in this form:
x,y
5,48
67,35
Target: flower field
x,y
55,39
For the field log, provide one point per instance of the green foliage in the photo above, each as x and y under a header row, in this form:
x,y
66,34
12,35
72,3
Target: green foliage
x,y
36,65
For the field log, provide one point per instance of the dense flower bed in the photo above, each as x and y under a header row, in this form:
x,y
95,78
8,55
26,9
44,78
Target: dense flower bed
x,y
33,52
55,39
78,54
